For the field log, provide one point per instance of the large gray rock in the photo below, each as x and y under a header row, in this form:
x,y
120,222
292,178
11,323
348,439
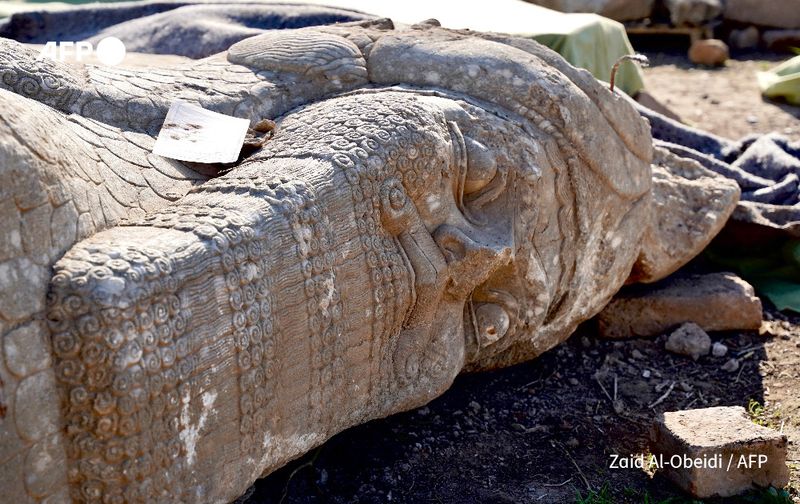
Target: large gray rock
x,y
621,10
782,14
432,201
715,302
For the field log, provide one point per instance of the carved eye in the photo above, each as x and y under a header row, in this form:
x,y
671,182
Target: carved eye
x,y
492,321
481,166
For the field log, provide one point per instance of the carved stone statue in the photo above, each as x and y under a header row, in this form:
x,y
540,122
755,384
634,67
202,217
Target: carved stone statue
x,y
432,202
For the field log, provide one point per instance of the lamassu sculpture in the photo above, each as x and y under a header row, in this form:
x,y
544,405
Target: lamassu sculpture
x,y
433,201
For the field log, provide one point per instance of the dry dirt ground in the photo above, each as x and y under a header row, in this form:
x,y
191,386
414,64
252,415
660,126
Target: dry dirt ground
x,y
545,431
725,100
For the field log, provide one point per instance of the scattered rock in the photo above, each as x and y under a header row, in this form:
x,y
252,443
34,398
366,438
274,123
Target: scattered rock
x,y
636,354
782,40
693,12
731,365
719,436
746,38
782,14
690,340
718,349
711,52
646,373
715,302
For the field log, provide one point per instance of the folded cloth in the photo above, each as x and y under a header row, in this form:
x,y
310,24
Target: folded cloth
x,y
766,167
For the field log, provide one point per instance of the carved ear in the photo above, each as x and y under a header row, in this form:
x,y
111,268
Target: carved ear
x,y
303,52
690,206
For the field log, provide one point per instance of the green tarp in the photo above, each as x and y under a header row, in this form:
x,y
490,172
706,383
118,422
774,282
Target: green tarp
x,y
782,81
774,271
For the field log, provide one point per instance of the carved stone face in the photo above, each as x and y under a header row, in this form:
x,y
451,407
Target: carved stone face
x,y
463,190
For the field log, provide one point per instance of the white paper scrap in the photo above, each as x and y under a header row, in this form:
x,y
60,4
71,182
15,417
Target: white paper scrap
x,y
192,133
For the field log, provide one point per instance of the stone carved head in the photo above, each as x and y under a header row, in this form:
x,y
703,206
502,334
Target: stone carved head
x,y
432,201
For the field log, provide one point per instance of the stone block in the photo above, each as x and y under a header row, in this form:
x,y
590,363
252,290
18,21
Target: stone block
x,y
718,452
715,302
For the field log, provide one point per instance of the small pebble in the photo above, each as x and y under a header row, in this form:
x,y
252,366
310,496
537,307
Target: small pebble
x,y
636,354
718,349
752,119
731,366
689,339
646,373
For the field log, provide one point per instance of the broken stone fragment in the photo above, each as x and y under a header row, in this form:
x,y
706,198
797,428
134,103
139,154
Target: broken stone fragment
x,y
689,340
691,204
715,302
718,451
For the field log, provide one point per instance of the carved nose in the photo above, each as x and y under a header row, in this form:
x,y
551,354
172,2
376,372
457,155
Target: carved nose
x,y
472,256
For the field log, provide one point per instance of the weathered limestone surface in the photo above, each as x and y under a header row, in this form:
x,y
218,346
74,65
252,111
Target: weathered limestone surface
x,y
433,201
734,454
715,302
